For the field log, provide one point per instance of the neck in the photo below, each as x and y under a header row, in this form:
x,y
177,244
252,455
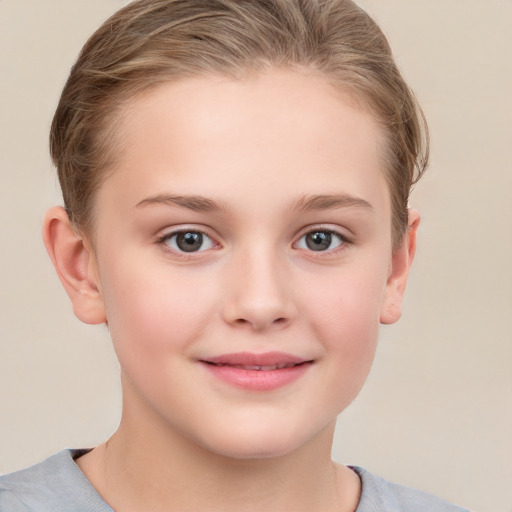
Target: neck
x,y
147,466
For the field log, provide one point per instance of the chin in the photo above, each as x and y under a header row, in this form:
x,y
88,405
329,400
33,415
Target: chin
x,y
256,443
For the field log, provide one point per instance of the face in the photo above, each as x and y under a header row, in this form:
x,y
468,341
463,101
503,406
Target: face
x,y
243,257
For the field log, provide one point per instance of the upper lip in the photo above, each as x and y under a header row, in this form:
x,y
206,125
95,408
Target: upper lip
x,y
256,361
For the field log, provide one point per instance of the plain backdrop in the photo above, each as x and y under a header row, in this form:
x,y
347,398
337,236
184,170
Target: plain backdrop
x,y
436,412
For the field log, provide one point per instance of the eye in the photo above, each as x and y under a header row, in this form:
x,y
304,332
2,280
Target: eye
x,y
188,241
321,240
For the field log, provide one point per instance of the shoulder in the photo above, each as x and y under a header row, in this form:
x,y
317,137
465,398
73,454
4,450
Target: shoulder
x,y
56,485
379,495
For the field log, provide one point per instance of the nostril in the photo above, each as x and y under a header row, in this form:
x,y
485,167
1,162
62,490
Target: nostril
x,y
278,322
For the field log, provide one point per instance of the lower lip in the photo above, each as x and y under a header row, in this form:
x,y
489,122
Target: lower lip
x,y
257,380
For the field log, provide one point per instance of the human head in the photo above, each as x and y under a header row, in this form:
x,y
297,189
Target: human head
x,y
154,41
279,180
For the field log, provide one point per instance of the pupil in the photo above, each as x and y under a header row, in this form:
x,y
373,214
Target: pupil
x,y
318,241
189,242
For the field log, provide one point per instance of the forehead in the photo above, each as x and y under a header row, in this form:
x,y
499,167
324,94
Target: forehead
x,y
280,133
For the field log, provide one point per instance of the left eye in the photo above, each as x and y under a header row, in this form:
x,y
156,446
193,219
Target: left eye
x,y
320,240
189,241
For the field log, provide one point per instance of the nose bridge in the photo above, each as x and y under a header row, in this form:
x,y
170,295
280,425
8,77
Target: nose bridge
x,y
260,294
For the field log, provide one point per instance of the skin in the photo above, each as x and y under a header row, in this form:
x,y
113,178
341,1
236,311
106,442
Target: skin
x,y
255,151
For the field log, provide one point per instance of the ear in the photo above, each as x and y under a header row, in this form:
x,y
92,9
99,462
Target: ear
x,y
400,264
75,264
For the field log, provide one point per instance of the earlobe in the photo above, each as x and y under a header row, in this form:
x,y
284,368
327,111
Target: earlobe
x,y
75,264
400,265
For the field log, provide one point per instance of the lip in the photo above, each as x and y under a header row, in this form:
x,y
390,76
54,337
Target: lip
x,y
257,372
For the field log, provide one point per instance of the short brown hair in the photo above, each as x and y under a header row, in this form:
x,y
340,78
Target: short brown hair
x,y
153,41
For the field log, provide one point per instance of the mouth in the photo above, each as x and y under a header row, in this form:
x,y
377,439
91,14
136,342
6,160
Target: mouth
x,y
258,368
267,361
257,372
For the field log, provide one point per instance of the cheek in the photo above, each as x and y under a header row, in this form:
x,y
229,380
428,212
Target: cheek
x,y
347,324
348,304
151,309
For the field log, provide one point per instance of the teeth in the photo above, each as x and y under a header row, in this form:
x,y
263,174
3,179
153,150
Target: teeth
x,y
266,368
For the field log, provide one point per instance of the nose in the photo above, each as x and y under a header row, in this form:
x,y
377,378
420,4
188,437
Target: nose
x,y
259,292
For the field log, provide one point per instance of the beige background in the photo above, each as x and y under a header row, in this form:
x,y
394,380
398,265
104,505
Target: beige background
x,y
436,412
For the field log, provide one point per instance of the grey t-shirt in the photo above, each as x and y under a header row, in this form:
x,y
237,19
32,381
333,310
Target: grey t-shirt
x,y
58,485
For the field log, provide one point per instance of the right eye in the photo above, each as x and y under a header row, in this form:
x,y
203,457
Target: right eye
x,y
188,241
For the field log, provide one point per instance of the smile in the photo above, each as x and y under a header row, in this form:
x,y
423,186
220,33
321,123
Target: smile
x,y
266,368
257,372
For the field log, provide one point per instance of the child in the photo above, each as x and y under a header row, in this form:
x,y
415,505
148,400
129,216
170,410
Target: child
x,y
235,178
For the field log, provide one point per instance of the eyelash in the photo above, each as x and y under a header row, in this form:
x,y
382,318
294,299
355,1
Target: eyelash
x,y
343,241
164,240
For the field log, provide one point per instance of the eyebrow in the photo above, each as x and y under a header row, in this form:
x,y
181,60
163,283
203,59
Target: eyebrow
x,y
303,204
195,203
328,202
